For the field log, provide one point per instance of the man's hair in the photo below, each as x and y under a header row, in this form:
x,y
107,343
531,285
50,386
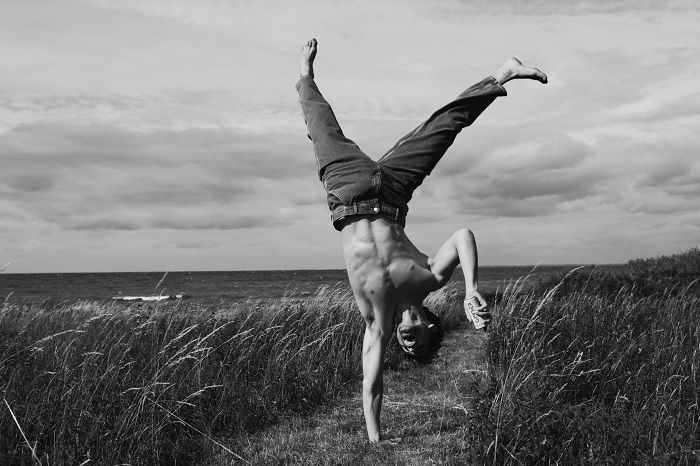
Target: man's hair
x,y
434,340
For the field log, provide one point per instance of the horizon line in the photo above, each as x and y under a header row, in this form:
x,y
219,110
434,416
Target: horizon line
x,y
534,266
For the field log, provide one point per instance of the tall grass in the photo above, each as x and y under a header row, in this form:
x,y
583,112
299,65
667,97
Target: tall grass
x,y
602,367
165,384
153,385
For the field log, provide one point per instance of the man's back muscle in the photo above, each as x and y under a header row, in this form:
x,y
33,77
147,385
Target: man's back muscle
x,y
382,261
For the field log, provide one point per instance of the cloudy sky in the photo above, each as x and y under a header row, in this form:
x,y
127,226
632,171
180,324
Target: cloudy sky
x,y
166,134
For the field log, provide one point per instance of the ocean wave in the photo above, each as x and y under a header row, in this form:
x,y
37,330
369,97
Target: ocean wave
x,y
150,298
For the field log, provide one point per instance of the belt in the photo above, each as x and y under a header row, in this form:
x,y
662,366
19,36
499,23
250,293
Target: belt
x,y
368,207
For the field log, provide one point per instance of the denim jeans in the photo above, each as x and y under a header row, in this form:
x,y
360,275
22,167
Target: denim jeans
x,y
356,184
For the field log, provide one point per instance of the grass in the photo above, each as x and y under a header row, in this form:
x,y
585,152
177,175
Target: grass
x,y
596,367
426,418
602,367
159,384
147,385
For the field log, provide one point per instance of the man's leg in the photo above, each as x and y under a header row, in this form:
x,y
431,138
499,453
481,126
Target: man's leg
x,y
330,144
415,155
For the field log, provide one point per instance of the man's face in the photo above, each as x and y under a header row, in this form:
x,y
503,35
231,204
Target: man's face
x,y
412,332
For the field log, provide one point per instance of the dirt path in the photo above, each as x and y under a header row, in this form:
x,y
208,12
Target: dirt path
x,y
425,418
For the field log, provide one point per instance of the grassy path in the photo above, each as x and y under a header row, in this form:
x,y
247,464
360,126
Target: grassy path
x,y
425,418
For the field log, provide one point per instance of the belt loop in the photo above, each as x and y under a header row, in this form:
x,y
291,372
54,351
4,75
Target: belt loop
x,y
396,214
354,207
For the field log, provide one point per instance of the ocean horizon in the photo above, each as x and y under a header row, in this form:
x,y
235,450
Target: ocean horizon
x,y
211,287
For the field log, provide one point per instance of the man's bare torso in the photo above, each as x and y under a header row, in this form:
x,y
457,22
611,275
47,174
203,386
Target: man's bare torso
x,y
383,264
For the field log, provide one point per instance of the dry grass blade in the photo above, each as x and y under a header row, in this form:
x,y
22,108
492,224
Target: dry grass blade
x,y
32,449
224,447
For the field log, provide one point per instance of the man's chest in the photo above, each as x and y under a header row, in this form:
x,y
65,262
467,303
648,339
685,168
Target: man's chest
x,y
411,275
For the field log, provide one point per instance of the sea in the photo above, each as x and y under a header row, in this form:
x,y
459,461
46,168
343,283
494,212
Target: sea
x,y
214,287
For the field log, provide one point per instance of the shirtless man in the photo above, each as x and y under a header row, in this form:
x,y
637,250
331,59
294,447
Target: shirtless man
x,y
368,201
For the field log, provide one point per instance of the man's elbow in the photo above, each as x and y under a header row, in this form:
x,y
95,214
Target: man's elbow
x,y
464,233
372,387
377,334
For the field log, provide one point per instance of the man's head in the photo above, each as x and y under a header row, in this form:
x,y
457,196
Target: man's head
x,y
419,333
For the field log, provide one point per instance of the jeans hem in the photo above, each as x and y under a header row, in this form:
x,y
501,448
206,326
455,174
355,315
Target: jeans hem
x,y
302,77
499,86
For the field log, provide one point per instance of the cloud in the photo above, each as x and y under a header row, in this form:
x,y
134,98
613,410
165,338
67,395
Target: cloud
x,y
179,190
534,153
196,244
669,170
215,14
202,217
105,177
221,222
28,182
544,7
176,125
105,224
662,203
519,177
56,146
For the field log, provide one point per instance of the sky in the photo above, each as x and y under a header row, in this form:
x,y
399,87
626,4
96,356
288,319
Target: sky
x,y
163,135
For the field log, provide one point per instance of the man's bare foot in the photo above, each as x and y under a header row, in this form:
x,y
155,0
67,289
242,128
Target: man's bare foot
x,y
308,53
514,69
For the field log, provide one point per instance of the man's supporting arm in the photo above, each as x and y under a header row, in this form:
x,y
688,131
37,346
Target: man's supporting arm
x,y
373,349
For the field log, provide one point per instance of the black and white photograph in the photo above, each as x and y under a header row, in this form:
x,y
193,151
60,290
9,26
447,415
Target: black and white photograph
x,y
440,232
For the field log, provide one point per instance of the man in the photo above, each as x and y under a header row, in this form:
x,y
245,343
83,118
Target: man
x,y
368,200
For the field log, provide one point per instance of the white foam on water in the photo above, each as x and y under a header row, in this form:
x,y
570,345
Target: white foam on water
x,y
148,298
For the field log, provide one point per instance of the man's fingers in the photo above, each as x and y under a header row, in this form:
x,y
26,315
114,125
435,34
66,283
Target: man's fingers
x,y
481,300
484,315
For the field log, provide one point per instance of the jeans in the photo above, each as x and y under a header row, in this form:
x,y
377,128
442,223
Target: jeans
x,y
356,184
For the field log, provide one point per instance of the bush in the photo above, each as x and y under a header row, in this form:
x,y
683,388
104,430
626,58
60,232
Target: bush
x,y
679,273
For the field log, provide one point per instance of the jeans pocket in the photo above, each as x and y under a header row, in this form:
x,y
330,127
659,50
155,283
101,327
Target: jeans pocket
x,y
336,193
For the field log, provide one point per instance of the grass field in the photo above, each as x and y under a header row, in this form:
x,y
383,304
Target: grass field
x,y
597,367
148,385
159,384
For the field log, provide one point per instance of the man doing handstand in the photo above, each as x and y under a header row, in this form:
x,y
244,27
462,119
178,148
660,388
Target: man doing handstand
x,y
368,201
